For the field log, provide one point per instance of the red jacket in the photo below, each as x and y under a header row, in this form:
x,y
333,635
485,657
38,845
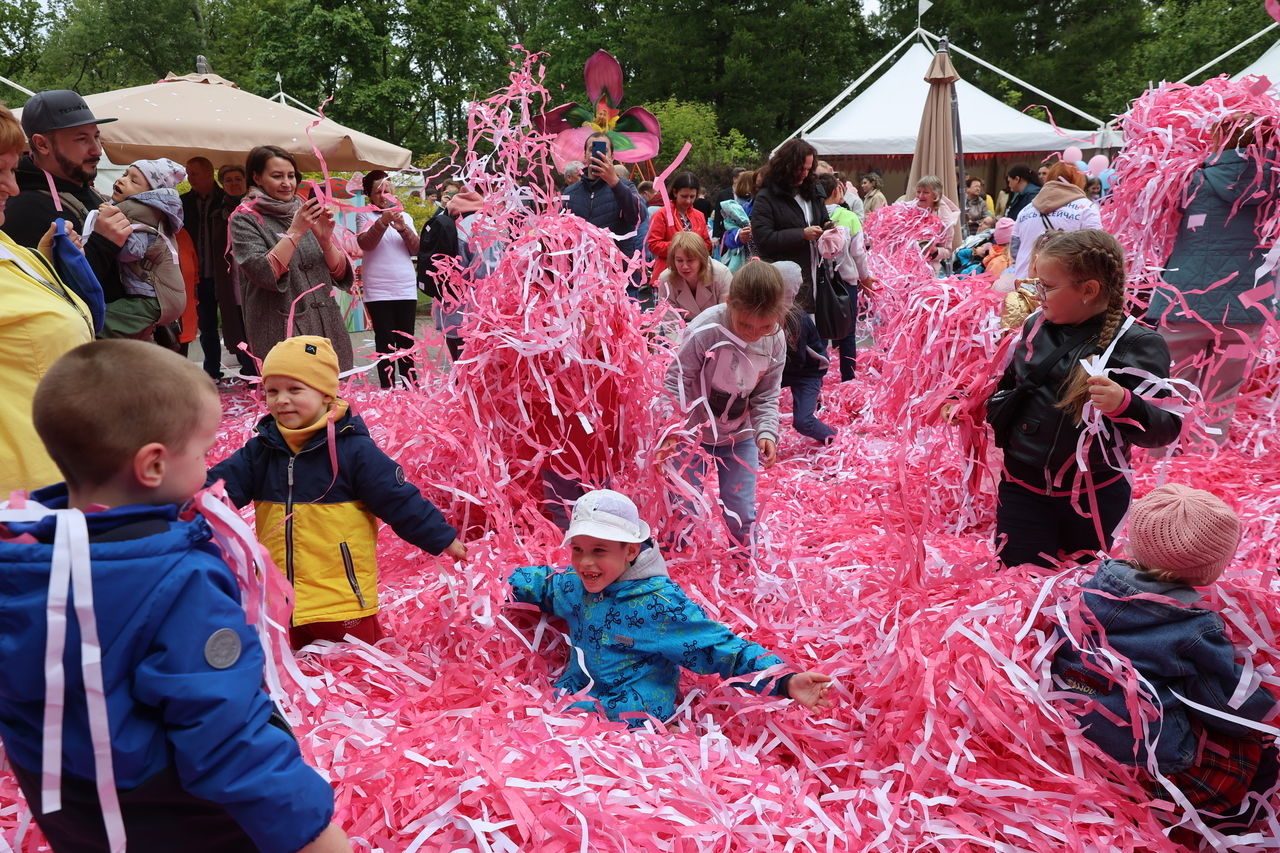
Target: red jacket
x,y
664,226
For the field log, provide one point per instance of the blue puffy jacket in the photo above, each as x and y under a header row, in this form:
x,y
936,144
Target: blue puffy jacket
x,y
1217,242
634,637
1175,647
159,599
617,209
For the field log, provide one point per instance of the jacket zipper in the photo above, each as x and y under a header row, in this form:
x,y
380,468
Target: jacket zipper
x,y
1050,487
288,524
351,572
288,513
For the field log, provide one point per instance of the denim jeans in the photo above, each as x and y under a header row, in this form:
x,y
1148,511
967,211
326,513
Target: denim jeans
x,y
804,399
1036,524
736,466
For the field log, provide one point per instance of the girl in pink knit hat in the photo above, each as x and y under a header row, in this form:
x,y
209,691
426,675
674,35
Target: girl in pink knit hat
x,y
1141,655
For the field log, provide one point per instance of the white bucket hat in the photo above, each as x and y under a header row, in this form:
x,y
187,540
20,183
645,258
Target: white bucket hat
x,y
608,515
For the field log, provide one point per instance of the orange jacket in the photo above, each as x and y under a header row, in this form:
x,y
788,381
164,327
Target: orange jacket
x,y
664,226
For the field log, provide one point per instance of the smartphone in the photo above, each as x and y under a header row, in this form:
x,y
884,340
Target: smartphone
x,y
599,148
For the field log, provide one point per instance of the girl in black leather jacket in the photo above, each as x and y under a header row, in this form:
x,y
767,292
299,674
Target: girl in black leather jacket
x,y
1048,506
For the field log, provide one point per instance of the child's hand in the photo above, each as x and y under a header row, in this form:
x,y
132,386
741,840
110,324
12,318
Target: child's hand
x,y
1106,395
456,550
113,224
810,689
768,451
670,447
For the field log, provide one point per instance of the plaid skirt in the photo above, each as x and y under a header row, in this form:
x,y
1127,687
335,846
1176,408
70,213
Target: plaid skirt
x,y
1226,770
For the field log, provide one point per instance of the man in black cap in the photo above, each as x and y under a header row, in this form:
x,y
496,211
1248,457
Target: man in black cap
x,y
64,145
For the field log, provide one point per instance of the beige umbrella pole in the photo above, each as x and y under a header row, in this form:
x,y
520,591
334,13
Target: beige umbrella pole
x,y
935,144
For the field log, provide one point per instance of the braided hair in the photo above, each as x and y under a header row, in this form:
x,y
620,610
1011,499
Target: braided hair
x,y
1089,254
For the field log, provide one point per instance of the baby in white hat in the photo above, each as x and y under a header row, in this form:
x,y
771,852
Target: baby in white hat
x,y
632,627
154,290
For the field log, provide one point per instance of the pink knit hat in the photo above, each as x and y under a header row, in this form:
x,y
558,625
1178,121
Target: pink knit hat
x,y
1004,231
1185,532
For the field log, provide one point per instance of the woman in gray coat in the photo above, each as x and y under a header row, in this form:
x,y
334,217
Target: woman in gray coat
x,y
287,259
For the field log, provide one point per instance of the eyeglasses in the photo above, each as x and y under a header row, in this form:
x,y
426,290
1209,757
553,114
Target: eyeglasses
x,y
1037,287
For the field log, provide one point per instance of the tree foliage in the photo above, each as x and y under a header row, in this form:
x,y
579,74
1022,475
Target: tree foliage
x,y
734,79
696,123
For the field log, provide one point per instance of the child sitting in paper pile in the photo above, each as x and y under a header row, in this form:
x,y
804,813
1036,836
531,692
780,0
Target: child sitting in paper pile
x,y
1197,706
634,626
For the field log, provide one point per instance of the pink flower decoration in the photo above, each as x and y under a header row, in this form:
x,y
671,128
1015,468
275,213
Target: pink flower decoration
x,y
635,133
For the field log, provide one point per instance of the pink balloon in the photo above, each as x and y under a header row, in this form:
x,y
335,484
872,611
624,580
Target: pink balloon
x,y
1098,164
1072,154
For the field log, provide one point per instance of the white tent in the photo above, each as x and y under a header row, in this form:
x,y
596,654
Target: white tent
x,y
885,117
1267,65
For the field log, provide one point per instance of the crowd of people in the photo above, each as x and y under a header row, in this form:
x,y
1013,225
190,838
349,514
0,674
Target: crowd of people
x,y
757,281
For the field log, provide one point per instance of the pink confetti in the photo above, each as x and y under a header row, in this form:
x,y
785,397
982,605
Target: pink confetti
x,y
875,565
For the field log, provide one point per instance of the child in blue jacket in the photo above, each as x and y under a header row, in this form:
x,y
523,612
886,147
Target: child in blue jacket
x,y
634,626
169,742
1195,703
319,484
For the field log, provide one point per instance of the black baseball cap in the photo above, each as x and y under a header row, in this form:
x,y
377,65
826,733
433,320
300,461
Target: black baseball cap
x,y
56,109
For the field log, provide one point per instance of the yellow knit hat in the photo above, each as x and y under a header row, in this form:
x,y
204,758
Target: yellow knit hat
x,y
310,359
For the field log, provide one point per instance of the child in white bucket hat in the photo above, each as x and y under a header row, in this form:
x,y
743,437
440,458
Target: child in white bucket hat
x,y
632,627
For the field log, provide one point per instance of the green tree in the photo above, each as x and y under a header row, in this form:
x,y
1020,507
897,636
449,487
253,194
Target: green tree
x,y
1057,47
22,40
696,123
460,53
1185,35
96,45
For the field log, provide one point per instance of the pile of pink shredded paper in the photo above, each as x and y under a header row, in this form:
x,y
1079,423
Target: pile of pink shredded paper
x,y
875,564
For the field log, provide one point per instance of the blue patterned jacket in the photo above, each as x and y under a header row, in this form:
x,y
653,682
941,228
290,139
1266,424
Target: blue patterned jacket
x,y
634,637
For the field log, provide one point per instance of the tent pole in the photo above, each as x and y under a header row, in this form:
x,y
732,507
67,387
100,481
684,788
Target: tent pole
x,y
1097,121
1216,60
821,114
23,89
958,136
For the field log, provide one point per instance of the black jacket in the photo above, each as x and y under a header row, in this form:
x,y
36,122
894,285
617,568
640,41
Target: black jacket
x,y
716,219
805,350
210,245
28,214
439,237
1044,437
777,229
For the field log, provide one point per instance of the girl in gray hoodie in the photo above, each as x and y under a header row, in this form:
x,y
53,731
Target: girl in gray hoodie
x,y
726,379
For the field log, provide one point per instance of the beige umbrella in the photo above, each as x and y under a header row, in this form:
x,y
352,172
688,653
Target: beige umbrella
x,y
936,142
206,115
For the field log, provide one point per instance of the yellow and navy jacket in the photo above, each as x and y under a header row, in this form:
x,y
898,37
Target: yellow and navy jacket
x,y
322,529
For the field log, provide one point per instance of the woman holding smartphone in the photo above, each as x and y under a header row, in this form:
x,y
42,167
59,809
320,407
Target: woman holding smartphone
x,y
287,256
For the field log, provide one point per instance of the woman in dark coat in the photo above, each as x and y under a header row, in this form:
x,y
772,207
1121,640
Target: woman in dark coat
x,y
789,212
1202,308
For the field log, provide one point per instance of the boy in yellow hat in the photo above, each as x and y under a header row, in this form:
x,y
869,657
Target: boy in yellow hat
x,y
319,484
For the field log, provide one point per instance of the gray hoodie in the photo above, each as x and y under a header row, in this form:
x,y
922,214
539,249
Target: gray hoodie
x,y
724,385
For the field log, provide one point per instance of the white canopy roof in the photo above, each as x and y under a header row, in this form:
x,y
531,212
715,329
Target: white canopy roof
x,y
885,118
1267,65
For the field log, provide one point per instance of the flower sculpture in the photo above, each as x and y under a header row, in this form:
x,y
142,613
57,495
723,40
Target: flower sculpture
x,y
635,133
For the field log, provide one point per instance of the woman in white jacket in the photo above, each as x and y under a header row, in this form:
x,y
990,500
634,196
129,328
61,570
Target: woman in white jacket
x,y
1060,205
